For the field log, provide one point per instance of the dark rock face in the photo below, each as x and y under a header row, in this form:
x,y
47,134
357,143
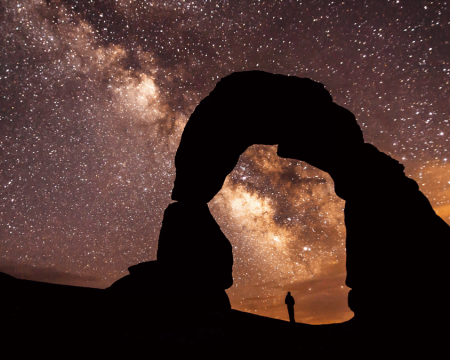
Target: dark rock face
x,y
256,107
397,247
192,250
395,241
155,293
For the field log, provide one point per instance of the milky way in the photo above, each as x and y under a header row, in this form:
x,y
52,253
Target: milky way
x,y
94,97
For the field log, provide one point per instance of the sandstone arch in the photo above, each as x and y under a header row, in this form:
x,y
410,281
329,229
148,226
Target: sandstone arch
x,y
387,218
256,107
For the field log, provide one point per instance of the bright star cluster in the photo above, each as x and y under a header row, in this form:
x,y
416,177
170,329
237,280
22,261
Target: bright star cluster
x,y
94,96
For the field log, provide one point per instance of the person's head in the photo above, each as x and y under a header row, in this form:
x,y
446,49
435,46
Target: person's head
x,y
289,293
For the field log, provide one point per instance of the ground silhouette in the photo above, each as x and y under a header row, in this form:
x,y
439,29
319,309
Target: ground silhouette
x,y
397,246
58,321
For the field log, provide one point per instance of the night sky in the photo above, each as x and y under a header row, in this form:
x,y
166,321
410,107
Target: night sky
x,y
94,97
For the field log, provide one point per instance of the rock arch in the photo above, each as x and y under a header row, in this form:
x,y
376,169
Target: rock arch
x,y
388,219
256,107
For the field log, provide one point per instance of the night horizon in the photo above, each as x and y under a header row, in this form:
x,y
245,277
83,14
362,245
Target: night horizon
x,y
95,96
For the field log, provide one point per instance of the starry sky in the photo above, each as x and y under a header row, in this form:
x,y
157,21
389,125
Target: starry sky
x,y
94,97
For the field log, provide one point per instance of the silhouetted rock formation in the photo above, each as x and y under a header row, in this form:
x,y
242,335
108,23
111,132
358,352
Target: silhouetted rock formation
x,y
157,292
256,107
195,256
397,247
395,241
195,260
192,250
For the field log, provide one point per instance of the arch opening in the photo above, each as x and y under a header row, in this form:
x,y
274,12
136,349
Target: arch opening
x,y
286,226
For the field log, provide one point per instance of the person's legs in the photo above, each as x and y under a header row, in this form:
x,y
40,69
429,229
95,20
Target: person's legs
x,y
291,314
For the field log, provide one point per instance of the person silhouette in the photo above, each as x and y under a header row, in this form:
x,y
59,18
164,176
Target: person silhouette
x,y
290,302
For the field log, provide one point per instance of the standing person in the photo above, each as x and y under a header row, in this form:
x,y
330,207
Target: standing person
x,y
289,301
